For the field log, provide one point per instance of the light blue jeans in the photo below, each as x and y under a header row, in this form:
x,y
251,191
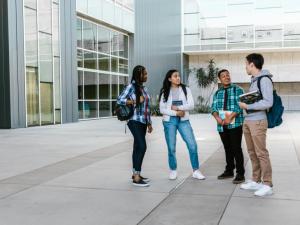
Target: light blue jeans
x,y
187,134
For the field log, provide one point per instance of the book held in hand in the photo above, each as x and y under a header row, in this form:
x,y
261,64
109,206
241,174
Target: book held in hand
x,y
177,103
226,114
250,97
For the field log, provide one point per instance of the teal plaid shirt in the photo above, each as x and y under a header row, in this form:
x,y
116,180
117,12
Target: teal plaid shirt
x,y
233,91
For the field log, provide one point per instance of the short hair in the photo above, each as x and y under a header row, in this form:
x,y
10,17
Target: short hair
x,y
257,59
221,71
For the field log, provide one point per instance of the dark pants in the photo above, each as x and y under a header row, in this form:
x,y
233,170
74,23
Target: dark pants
x,y
138,131
232,141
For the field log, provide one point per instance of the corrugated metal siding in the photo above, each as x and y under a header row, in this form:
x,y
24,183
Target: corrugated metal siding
x,y
158,39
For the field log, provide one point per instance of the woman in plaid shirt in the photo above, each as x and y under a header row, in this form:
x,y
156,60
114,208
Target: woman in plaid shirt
x,y
229,117
136,94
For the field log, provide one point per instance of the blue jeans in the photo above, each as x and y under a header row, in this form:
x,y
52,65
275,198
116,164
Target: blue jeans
x,y
187,134
138,131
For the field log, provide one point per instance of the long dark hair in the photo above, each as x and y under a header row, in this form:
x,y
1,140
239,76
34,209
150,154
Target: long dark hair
x,y
165,90
137,82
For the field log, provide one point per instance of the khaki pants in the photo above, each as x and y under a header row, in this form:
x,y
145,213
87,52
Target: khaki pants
x,y
255,135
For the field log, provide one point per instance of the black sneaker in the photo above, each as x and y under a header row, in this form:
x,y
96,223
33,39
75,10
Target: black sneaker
x,y
140,183
143,178
225,175
238,179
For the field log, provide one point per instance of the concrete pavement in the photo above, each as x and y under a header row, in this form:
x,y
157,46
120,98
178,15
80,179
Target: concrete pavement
x,y
80,174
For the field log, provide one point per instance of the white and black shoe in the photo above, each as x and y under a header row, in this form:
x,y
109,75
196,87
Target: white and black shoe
x,y
140,183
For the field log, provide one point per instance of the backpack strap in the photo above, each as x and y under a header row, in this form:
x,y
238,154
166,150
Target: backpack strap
x,y
184,90
258,82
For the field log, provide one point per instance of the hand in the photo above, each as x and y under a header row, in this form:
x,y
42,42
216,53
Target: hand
x,y
180,113
174,107
130,102
219,121
142,99
243,105
150,128
227,121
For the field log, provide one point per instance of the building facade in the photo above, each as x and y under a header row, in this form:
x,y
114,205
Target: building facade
x,y
63,60
227,31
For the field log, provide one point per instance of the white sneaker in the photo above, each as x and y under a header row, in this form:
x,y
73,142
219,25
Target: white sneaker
x,y
173,175
251,185
198,175
264,191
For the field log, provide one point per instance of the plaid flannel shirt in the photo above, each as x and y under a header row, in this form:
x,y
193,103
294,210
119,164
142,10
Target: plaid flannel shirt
x,y
233,91
142,113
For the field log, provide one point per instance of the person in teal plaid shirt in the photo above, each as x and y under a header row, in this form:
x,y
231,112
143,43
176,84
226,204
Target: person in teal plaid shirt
x,y
229,117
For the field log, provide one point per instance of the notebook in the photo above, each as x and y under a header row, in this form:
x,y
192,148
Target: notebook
x,y
250,97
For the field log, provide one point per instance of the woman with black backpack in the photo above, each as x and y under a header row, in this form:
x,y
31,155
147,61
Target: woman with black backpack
x,y
176,101
137,96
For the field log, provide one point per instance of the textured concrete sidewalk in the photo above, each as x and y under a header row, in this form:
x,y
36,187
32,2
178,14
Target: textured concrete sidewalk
x,y
80,174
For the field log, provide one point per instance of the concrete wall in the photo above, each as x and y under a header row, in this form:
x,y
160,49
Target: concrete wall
x,y
157,43
285,66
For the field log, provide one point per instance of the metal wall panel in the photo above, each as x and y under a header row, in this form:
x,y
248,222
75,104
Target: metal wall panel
x,y
158,39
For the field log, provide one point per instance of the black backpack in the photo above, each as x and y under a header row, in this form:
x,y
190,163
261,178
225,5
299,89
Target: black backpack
x,y
124,112
274,114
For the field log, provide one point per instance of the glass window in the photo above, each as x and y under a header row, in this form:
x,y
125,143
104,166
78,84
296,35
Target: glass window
x,y
103,40
191,23
90,85
123,66
114,64
30,3
31,37
268,3
104,86
192,39
191,6
57,83
240,34
103,62
114,87
129,4
113,107
46,58
212,8
90,109
123,81
114,44
79,58
58,116
80,85
89,35
104,109
32,96
56,42
291,5
79,33
274,15
240,14
292,31
268,33
47,113
123,45
90,60
80,110
45,15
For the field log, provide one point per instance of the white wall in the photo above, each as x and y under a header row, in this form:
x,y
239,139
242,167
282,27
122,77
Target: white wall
x,y
285,66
